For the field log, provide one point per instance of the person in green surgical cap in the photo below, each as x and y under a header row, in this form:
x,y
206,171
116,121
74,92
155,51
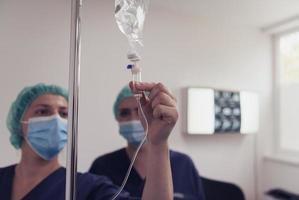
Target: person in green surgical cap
x,y
186,180
21,104
37,121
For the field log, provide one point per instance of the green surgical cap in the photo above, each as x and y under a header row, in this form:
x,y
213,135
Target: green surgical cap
x,y
123,94
22,103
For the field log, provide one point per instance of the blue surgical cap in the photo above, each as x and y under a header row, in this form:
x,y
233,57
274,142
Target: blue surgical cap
x,y
22,103
122,95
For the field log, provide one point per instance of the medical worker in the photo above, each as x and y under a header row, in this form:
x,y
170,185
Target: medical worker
x,y
186,180
37,121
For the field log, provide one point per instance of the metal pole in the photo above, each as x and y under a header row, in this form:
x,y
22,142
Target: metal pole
x,y
74,83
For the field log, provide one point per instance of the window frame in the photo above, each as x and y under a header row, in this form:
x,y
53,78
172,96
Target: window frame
x,y
277,149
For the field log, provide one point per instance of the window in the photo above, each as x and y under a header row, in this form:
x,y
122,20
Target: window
x,y
287,90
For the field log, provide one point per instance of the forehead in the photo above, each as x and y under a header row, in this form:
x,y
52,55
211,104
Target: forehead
x,y
128,103
49,100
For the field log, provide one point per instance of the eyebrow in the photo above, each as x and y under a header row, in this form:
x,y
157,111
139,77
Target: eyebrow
x,y
41,105
129,108
47,106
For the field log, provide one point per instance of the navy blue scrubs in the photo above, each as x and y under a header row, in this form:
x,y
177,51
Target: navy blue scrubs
x,y
89,186
186,181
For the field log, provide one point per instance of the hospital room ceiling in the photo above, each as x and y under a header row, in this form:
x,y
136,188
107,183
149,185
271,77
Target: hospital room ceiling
x,y
259,13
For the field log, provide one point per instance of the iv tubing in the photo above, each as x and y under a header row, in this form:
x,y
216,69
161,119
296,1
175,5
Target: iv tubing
x,y
136,153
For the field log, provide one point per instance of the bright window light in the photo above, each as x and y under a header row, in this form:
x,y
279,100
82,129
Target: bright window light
x,y
288,92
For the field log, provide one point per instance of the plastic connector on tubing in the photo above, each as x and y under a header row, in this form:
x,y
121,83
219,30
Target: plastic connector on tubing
x,y
133,56
136,77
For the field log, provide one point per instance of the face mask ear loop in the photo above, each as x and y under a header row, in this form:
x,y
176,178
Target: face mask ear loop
x,y
136,153
23,122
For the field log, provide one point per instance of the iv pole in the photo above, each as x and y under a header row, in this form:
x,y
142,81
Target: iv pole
x,y
74,83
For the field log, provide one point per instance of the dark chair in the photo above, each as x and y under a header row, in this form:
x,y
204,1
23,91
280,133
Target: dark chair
x,y
218,190
282,194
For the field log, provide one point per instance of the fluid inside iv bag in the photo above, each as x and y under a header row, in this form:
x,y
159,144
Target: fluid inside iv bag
x,y
130,15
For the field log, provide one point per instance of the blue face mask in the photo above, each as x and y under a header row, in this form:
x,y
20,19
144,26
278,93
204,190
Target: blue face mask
x,y
47,136
132,131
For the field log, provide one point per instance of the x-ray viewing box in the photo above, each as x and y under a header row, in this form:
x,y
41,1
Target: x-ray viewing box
x,y
211,111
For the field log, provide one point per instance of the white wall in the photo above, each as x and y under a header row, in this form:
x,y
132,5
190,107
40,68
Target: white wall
x,y
33,48
179,51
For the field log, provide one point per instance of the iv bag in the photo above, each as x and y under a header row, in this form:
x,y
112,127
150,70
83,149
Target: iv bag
x,y
130,15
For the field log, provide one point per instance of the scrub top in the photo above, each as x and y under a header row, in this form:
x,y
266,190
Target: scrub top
x,y
89,186
186,180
